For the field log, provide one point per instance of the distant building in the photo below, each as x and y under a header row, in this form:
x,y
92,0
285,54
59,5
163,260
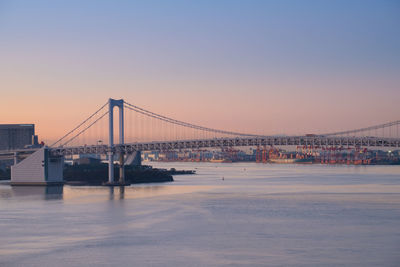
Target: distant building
x,y
16,136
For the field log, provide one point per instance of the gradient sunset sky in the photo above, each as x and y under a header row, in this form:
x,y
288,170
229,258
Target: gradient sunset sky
x,y
264,67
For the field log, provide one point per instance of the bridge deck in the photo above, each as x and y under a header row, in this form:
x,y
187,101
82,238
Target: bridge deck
x,y
231,142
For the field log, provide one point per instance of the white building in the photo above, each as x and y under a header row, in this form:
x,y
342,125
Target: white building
x,y
40,168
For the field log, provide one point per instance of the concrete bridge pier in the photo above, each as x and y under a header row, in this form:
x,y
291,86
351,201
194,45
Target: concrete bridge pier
x,y
111,104
121,142
110,167
121,169
134,158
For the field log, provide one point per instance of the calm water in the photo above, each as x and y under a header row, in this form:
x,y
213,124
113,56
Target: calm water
x,y
259,215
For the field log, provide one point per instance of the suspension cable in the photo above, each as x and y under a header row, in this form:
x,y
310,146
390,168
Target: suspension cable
x,y
375,127
91,116
181,123
90,125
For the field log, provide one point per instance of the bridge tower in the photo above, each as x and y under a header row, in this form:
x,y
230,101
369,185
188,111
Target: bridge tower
x,y
111,104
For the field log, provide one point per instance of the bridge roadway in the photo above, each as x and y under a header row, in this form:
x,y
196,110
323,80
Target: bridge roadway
x,y
232,142
216,143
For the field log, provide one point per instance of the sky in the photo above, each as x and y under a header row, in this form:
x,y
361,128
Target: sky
x,y
264,67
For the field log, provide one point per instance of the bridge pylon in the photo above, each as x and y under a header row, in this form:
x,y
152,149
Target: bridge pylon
x,y
111,104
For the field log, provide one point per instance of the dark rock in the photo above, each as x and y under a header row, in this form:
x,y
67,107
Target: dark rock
x,y
97,174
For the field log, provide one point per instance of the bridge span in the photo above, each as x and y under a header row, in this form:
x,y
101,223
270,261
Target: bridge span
x,y
95,135
315,141
230,142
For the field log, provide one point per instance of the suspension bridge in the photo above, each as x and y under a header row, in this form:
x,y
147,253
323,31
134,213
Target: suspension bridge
x,y
140,130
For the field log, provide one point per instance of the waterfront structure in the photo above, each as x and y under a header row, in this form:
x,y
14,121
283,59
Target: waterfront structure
x,y
40,168
17,136
200,138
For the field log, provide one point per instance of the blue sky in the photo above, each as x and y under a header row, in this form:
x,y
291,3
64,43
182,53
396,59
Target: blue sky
x,y
318,65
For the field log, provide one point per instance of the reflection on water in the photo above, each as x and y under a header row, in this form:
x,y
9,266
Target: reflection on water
x,y
44,192
120,192
95,193
238,178
259,215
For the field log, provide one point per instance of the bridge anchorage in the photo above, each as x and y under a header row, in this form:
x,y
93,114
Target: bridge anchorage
x,y
142,130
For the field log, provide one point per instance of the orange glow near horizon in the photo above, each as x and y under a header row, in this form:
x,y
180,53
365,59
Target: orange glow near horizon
x,y
260,112
265,68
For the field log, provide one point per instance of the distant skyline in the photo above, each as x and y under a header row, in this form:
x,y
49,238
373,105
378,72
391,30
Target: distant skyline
x,y
264,67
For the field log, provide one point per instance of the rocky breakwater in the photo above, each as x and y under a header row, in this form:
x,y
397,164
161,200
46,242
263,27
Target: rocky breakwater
x,y
97,174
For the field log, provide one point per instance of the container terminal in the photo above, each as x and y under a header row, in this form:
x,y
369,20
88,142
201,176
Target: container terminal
x,y
298,155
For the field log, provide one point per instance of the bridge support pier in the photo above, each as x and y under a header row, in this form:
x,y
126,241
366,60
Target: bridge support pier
x,y
121,142
110,167
134,158
121,169
111,104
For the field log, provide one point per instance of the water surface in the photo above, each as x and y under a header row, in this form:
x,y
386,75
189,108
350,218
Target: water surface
x,y
241,214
